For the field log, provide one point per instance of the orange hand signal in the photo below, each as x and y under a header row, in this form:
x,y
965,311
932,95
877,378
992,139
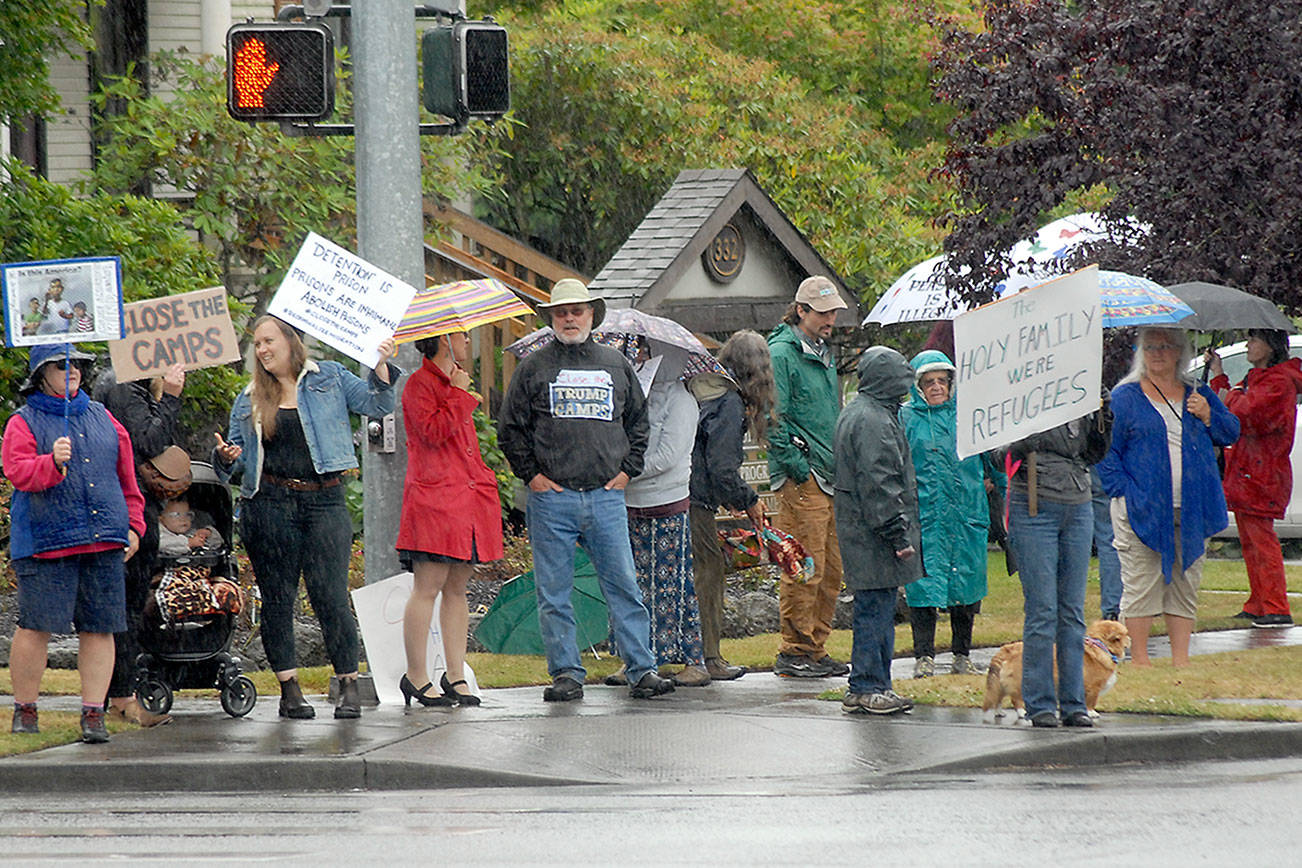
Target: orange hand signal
x,y
253,75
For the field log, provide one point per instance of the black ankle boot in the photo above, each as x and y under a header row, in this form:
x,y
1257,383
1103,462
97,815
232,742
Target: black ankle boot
x,y
350,701
292,703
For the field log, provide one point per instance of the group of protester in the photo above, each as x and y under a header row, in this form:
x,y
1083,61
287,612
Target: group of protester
x,y
636,479
879,487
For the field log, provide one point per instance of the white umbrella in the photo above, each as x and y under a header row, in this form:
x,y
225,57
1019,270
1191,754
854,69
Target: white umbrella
x,y
919,295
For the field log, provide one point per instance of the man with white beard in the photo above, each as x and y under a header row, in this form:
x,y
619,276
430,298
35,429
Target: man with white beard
x,y
573,426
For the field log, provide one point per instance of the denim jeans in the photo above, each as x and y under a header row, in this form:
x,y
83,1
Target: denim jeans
x,y
598,521
1053,557
1109,563
873,640
291,533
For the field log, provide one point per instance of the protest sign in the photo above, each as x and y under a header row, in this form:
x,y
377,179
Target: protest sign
x,y
193,328
62,300
380,606
341,299
1029,362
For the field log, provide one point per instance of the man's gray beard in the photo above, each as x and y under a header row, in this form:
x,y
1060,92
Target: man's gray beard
x,y
580,338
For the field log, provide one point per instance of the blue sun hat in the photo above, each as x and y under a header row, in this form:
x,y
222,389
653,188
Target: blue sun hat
x,y
39,355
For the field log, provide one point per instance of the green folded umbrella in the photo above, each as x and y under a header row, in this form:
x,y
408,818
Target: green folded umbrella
x,y
510,626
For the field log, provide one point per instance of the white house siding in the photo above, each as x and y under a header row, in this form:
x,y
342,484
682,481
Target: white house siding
x,y
67,132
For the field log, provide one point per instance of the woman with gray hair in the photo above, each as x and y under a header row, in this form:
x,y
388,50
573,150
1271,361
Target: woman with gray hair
x,y
1165,486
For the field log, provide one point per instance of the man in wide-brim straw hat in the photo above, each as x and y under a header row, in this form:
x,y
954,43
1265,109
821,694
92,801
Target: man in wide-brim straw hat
x,y
574,427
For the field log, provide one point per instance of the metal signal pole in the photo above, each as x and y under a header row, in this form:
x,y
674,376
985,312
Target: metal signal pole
x,y
390,224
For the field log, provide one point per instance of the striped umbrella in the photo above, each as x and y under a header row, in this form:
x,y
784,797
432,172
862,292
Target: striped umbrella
x,y
458,307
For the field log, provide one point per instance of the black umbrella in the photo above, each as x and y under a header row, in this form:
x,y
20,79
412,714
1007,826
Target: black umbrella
x,y
1221,308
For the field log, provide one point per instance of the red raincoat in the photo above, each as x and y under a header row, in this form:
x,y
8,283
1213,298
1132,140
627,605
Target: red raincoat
x,y
450,496
1258,471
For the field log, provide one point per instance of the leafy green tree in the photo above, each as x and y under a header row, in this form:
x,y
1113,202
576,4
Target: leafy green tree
x,y
41,220
1186,115
611,107
32,31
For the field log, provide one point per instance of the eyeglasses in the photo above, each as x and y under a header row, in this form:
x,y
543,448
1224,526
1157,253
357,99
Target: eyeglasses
x,y
1160,348
64,364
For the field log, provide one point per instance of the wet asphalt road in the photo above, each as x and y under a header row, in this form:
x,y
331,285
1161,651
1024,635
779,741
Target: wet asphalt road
x,y
1223,813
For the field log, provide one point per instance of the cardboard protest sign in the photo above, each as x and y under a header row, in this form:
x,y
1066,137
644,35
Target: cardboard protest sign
x,y
379,608
1029,362
193,328
62,301
341,299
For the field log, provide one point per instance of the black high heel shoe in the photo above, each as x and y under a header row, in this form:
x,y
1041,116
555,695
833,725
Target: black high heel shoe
x,y
449,691
409,692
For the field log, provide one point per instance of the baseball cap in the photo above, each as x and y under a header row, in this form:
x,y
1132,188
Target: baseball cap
x,y
819,293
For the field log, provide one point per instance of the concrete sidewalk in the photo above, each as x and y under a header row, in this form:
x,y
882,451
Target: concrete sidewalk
x,y
761,727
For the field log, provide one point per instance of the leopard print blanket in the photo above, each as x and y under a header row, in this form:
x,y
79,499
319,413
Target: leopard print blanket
x,y
182,593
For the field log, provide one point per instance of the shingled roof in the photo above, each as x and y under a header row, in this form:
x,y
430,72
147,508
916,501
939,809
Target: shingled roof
x,y
672,237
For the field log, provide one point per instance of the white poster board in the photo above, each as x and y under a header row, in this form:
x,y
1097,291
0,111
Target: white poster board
x,y
341,299
192,328
62,301
379,608
1029,362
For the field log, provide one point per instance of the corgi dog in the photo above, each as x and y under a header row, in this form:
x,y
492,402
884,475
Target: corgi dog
x,y
1106,643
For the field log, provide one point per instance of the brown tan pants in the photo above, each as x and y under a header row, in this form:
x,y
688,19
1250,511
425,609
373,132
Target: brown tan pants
x,y
806,609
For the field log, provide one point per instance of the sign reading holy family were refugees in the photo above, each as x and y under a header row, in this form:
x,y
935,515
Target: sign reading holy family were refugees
x,y
1028,362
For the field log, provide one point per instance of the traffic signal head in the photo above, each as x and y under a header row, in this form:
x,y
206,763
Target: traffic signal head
x,y
280,72
465,70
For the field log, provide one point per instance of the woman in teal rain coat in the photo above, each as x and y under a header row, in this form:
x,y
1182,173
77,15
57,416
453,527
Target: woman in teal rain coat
x,y
955,517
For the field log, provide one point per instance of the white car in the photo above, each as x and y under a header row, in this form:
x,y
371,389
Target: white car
x,y
1236,366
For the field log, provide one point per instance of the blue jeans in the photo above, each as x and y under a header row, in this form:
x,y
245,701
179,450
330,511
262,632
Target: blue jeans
x,y
1053,558
598,521
1109,562
873,640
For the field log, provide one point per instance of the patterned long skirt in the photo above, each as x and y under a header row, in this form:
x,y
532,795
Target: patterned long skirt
x,y
662,554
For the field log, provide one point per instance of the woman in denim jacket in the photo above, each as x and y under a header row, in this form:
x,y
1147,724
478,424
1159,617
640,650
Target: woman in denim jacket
x,y
289,441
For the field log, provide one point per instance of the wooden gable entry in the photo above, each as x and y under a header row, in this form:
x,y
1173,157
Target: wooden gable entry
x,y
483,251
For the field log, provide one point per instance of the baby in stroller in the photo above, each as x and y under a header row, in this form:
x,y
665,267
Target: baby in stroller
x,y
185,588
177,535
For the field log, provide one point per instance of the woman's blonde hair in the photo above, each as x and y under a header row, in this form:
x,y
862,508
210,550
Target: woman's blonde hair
x,y
265,394
746,356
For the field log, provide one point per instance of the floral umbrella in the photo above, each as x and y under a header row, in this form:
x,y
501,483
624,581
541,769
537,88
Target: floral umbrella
x,y
1128,300
620,329
458,307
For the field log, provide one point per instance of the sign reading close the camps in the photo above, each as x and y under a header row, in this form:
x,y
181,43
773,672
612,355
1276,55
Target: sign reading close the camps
x,y
341,299
62,300
1029,362
193,329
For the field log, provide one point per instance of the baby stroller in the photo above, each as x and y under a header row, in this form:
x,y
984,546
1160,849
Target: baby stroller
x,y
189,621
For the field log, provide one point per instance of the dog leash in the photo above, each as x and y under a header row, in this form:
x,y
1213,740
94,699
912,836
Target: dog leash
x,y
1097,643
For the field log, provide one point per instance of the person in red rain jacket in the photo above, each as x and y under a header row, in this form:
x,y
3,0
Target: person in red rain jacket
x,y
1258,471
451,516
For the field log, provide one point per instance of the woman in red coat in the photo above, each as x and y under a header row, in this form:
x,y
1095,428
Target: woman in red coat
x,y
1258,472
451,517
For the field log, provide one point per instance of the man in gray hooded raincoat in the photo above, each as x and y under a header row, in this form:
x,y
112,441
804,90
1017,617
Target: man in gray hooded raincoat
x,y
876,523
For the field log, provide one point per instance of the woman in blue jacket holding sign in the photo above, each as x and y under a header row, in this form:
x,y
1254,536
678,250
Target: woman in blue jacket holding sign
x,y
289,442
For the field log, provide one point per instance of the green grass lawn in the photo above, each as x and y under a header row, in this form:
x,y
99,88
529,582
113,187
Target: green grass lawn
x,y
1259,674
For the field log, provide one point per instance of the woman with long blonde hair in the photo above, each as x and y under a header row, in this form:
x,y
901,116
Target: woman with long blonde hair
x,y
289,442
